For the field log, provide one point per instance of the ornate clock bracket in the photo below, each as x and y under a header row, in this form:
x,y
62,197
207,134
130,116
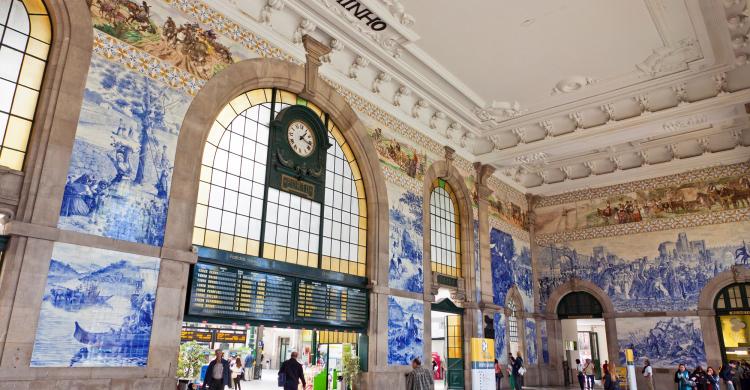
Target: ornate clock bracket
x,y
314,51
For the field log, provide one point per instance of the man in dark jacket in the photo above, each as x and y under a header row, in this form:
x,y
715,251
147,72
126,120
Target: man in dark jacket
x,y
217,374
517,365
293,373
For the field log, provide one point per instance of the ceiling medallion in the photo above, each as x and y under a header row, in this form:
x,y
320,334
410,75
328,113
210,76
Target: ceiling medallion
x,y
572,84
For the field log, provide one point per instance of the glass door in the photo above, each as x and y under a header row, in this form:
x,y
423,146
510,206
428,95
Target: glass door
x,y
454,341
595,358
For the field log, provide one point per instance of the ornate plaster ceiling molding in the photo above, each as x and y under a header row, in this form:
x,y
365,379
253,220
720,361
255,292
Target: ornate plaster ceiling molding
x,y
572,84
268,10
738,22
498,111
306,27
671,59
397,10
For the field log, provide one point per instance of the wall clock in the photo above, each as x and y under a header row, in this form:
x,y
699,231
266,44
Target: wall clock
x,y
298,148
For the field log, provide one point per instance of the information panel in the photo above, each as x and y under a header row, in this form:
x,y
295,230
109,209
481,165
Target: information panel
x,y
331,304
220,291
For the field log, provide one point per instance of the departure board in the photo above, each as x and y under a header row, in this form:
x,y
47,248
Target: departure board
x,y
220,291
331,304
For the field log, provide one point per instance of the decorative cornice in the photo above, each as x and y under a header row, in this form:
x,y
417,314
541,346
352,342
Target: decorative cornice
x,y
402,180
651,225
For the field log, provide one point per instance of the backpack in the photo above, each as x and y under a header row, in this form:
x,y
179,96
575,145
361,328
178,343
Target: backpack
x,y
676,377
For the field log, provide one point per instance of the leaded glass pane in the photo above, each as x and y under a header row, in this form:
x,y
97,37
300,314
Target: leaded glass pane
x,y
25,35
444,231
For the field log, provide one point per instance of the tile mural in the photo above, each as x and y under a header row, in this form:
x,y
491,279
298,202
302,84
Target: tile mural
x,y
511,265
501,347
97,310
163,32
652,271
120,171
405,236
665,341
399,156
531,349
664,202
405,330
545,341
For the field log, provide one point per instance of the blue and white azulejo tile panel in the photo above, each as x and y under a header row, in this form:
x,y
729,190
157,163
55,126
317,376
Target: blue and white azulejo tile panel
x,y
405,330
97,310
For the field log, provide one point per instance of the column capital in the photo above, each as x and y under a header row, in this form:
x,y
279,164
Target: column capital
x,y
314,50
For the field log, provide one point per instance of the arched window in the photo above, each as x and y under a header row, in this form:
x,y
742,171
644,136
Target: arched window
x,y
445,236
25,37
512,322
732,306
579,304
238,212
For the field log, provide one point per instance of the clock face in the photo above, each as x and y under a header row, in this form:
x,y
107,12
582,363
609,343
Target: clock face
x,y
301,138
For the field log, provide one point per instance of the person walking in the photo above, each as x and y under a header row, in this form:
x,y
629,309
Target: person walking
x,y
743,373
712,379
217,374
611,381
293,373
648,374
588,371
249,360
498,374
237,373
579,373
419,378
728,375
511,379
518,370
605,367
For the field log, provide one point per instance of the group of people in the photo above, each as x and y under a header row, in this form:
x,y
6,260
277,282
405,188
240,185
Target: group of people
x,y
515,370
586,374
734,376
222,372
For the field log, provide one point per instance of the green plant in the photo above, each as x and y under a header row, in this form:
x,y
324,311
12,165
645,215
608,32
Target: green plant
x,y
349,367
191,359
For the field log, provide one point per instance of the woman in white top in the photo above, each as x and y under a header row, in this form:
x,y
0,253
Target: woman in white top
x,y
648,373
579,373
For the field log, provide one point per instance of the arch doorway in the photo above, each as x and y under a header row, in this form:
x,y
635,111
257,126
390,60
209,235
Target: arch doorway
x,y
584,333
732,305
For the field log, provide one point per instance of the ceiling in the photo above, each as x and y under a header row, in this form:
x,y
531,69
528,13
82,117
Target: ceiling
x,y
518,51
557,95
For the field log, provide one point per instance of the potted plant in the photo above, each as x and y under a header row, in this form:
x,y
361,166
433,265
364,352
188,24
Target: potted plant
x,y
189,362
349,367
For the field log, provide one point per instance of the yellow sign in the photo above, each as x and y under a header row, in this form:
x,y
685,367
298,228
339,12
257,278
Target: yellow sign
x,y
482,350
629,355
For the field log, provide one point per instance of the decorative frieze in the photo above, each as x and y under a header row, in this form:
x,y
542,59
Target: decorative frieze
x,y
651,225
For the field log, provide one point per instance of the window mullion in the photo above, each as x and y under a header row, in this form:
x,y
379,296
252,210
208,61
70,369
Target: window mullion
x,y
262,238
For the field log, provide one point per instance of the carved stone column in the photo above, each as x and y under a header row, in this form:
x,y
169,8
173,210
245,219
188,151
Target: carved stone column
x,y
483,172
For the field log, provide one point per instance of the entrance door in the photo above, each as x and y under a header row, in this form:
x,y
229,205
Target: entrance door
x,y
283,348
594,337
454,344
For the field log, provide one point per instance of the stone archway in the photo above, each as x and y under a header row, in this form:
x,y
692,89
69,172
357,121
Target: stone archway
x,y
464,292
554,325
271,73
707,311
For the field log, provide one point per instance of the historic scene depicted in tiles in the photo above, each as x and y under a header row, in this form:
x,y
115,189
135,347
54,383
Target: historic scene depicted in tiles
x,y
665,341
120,171
406,268
531,350
97,310
665,270
405,330
665,202
501,347
511,265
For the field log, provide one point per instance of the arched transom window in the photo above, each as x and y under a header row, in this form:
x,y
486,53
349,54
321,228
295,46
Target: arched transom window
x,y
238,212
445,244
25,36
